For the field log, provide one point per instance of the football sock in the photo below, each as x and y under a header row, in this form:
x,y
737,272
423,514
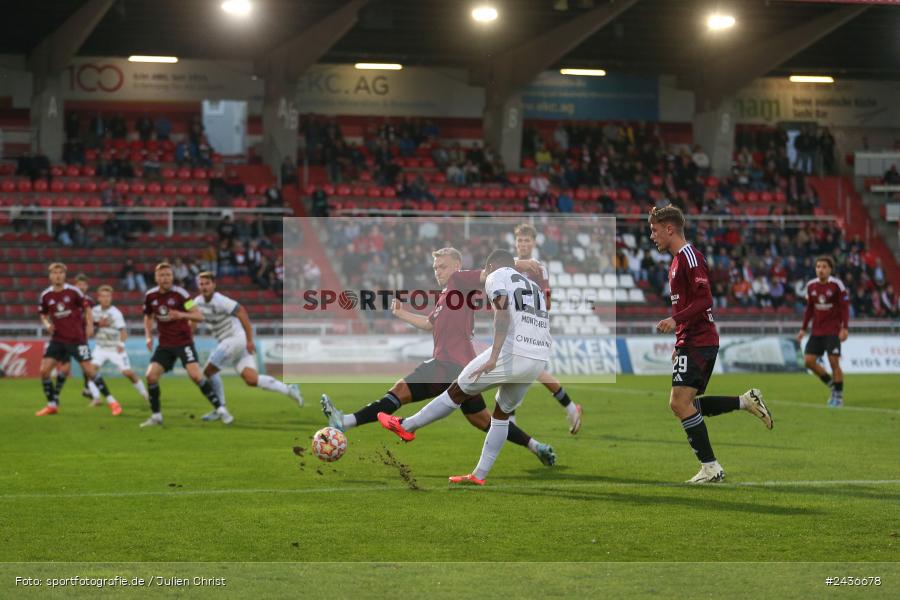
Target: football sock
x,y
111,400
153,392
826,379
50,392
60,382
493,443
349,421
92,388
101,385
517,436
562,397
389,403
139,386
839,386
219,387
698,437
711,406
532,444
438,408
267,382
208,391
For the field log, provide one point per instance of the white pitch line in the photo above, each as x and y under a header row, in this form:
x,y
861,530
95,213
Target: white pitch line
x,y
535,485
774,402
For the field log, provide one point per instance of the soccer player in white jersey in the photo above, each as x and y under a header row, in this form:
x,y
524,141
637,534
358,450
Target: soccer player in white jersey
x,y
519,354
230,324
109,336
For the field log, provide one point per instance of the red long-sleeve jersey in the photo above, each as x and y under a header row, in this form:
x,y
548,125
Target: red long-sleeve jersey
x,y
692,300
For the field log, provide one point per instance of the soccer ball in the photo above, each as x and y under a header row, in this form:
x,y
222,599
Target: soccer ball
x,y
329,444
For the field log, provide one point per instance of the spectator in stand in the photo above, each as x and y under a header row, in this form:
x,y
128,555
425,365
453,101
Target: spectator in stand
x,y
861,302
204,153
163,127
539,185
131,278
889,303
73,126
97,130
225,258
254,257
264,275
312,274
182,274
456,175
182,156
826,148
144,127
117,127
543,158
234,187
701,160
319,203
278,276
742,292
226,230
208,259
891,176
113,233
441,157
288,172
240,258
561,138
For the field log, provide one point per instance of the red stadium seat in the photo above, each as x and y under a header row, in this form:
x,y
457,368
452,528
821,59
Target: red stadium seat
x,y
73,187
153,188
89,186
24,186
72,171
40,186
183,173
170,189
185,189
137,187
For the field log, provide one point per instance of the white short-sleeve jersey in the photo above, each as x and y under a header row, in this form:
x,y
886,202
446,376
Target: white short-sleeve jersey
x,y
108,336
529,328
219,315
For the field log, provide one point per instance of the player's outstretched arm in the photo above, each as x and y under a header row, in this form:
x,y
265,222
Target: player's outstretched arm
x,y
417,321
89,323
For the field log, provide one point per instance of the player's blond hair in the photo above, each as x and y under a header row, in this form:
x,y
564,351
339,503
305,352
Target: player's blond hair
x,y
162,265
57,265
456,254
104,288
81,277
207,275
525,230
668,214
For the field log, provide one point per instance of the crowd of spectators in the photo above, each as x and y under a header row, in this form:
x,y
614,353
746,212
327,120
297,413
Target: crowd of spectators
x,y
236,253
767,268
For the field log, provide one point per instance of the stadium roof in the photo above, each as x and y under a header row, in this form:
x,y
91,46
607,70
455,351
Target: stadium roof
x,y
655,36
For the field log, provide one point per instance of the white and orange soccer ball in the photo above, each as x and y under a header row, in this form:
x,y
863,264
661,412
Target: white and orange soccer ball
x,y
329,444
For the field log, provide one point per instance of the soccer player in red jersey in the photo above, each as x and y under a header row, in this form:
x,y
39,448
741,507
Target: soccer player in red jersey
x,y
173,309
66,315
696,345
63,370
451,324
526,237
828,307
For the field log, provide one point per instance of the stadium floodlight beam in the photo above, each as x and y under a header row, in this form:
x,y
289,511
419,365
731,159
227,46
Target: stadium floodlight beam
x,y
811,79
584,72
238,8
379,66
485,14
152,59
718,22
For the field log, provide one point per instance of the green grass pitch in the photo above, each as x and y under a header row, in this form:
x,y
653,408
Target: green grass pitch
x,y
822,487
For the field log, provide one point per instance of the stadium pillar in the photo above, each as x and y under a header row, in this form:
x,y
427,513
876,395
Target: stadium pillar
x,y
282,68
503,130
47,132
279,119
47,62
508,72
714,130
